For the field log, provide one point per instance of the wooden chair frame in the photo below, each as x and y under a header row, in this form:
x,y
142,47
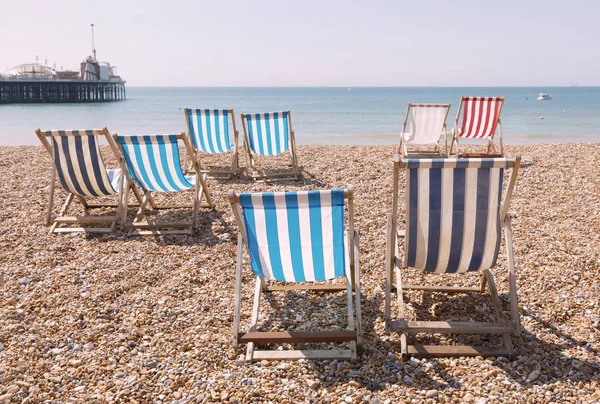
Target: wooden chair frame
x,y
217,172
139,226
251,337
492,149
395,265
265,174
402,148
63,218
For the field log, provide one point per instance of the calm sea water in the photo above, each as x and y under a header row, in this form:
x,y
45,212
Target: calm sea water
x,y
320,115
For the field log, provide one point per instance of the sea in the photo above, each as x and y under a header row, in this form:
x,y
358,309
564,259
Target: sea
x,y
320,115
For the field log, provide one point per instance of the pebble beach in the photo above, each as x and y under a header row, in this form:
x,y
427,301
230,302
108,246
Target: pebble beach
x,y
123,319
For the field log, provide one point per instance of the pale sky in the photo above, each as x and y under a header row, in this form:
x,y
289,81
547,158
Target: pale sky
x,y
314,42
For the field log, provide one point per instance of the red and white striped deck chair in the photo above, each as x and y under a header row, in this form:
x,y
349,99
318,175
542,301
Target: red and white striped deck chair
x,y
480,118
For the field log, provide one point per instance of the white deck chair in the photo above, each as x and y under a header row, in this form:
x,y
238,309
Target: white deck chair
x,y
423,125
454,216
297,237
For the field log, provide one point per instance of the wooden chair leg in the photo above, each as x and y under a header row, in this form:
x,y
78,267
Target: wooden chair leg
x,y
512,282
51,197
238,290
254,320
63,211
388,273
357,295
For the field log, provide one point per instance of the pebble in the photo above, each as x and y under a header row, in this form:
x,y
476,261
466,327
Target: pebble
x,y
105,289
23,281
533,375
431,393
89,346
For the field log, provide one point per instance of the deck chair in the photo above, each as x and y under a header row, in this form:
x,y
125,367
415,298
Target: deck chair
x,y
481,117
81,172
454,216
209,131
270,134
426,123
153,165
297,237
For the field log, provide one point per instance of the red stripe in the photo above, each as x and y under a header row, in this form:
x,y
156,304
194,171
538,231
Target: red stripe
x,y
489,117
496,117
469,111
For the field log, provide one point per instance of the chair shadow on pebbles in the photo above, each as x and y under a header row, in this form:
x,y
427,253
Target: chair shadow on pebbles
x,y
327,310
538,361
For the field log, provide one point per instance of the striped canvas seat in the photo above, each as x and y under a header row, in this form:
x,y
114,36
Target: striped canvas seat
x,y
480,116
80,171
268,133
79,164
296,236
209,130
153,162
480,120
453,213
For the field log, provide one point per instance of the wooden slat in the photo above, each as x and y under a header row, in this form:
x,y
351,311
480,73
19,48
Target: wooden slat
x,y
85,219
160,225
445,289
456,350
158,232
82,230
322,288
296,337
296,354
451,327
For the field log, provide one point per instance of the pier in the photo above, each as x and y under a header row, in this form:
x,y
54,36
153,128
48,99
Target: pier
x,y
60,91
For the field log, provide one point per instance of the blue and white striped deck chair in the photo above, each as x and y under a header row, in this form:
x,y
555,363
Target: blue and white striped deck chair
x,y
81,172
213,131
297,237
454,217
270,134
154,165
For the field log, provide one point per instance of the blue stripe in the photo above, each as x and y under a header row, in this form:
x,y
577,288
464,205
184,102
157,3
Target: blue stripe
x,y
251,133
95,153
498,225
413,216
277,132
209,134
291,203
250,223
70,170
81,164
273,236
481,217
259,135
198,118
177,165
164,165
61,175
267,119
435,217
339,254
286,132
458,220
153,165
216,116
135,146
316,234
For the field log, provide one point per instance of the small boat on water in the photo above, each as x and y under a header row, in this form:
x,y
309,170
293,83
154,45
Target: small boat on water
x,y
544,96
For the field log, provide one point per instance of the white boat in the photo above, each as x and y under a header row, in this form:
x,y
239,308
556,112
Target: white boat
x,y
544,96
